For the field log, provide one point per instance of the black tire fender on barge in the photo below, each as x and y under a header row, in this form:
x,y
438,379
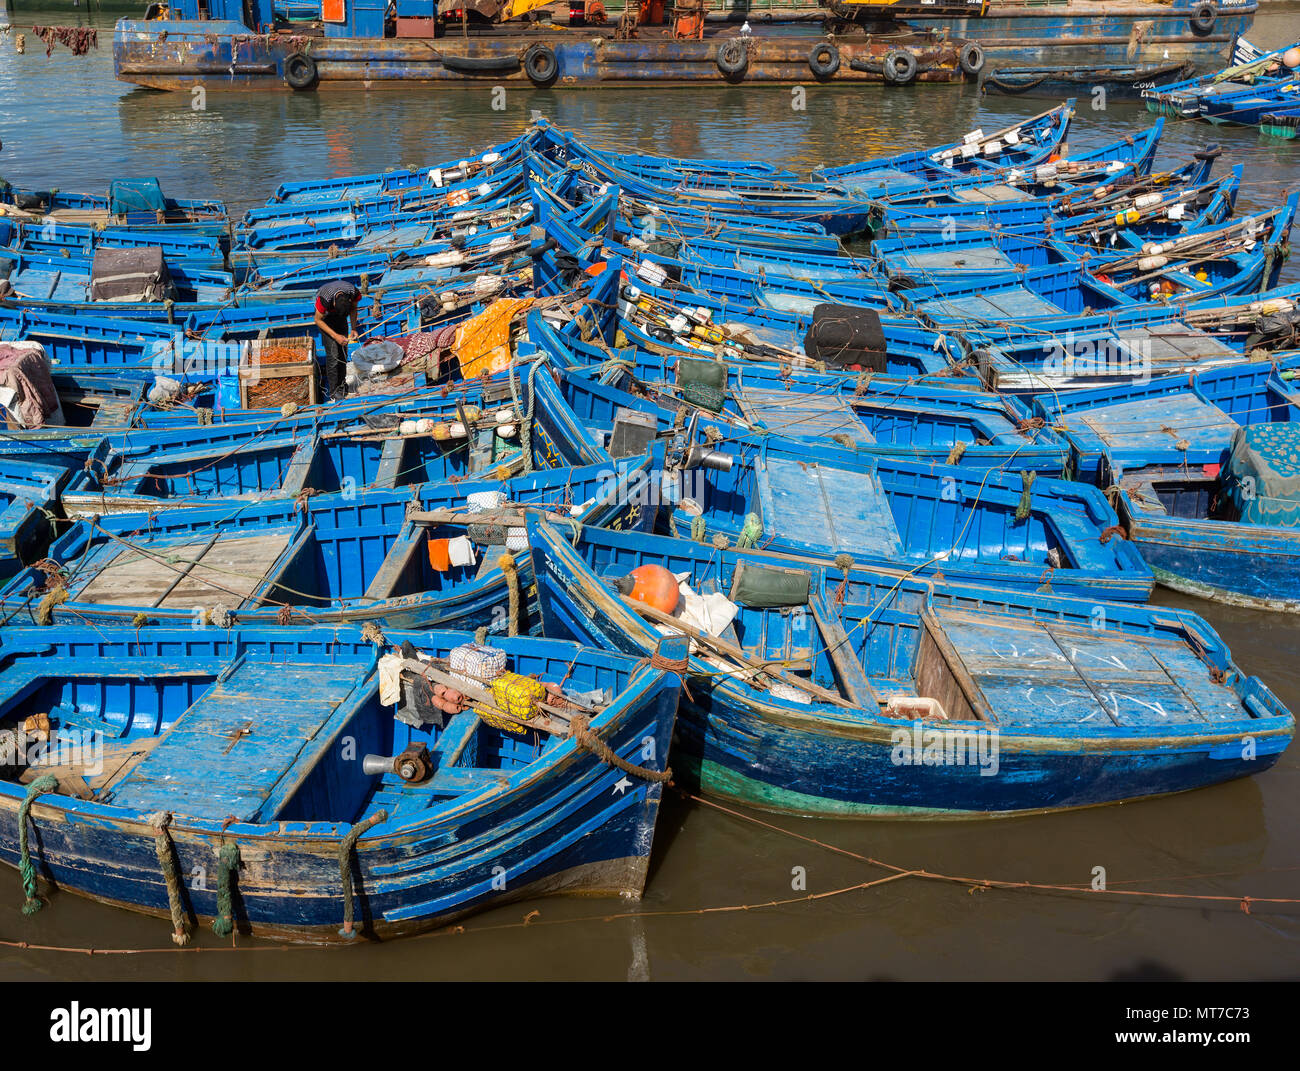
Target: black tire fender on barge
x,y
824,60
480,64
300,71
1203,20
900,67
541,66
971,59
733,59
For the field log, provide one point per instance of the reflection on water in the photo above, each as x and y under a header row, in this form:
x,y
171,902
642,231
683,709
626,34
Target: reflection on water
x,y
65,122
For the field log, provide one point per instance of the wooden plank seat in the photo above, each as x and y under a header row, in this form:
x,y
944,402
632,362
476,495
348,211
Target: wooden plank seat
x,y
1141,423
826,506
230,751
967,258
1009,303
188,571
803,416
991,193
1055,675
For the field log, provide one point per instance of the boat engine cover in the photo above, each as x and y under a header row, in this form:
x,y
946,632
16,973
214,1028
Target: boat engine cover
x,y
844,335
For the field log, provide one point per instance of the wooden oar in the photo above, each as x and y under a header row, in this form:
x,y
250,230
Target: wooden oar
x,y
508,517
735,654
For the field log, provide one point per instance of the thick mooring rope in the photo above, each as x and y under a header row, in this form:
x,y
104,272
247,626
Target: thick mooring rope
x,y
166,852
227,871
581,734
31,902
346,846
511,570
750,533
1025,504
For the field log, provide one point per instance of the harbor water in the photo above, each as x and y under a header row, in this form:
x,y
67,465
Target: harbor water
x,y
729,891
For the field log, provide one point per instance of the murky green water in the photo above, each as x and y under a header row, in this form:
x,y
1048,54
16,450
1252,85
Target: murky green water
x,y
65,122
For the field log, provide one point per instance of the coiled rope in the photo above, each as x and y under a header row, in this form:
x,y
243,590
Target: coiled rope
x,y
1024,506
31,902
346,846
227,870
751,532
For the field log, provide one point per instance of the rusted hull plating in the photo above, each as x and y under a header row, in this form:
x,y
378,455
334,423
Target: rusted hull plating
x,y
224,54
1105,32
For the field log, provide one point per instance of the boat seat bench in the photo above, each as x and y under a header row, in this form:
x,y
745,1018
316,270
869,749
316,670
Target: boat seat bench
x,y
207,766
821,505
814,417
1058,676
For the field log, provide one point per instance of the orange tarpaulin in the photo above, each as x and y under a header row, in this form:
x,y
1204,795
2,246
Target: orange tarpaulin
x,y
483,342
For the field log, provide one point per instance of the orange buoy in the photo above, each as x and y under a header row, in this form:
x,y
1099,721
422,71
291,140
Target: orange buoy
x,y
655,586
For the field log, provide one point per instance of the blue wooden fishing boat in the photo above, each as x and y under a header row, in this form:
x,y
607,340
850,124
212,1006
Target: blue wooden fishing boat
x,y
671,320
135,203
305,774
1125,426
822,411
1048,212
1250,68
1245,107
1022,193
842,213
368,555
386,446
70,280
1011,531
1051,354
1199,466
52,238
1017,145
291,226
980,246
818,692
1116,82
881,508
774,285
1241,256
29,495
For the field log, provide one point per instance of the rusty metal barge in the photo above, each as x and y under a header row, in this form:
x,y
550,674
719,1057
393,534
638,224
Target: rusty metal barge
x,y
314,44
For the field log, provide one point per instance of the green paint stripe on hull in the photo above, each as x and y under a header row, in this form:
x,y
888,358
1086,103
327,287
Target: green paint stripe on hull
x,y
1214,594
716,780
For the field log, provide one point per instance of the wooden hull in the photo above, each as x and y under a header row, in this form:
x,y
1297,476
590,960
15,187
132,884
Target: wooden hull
x,y
568,823
1241,564
1117,83
825,762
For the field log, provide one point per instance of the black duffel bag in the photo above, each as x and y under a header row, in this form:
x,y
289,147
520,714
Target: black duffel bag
x,y
845,336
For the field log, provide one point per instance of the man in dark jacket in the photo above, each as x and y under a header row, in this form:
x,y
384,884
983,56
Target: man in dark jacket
x,y
336,320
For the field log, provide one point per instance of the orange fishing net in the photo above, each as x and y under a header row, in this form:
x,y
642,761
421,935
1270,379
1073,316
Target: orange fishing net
x,y
483,342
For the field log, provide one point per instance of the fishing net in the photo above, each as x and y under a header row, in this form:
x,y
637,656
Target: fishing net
x,y
703,382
